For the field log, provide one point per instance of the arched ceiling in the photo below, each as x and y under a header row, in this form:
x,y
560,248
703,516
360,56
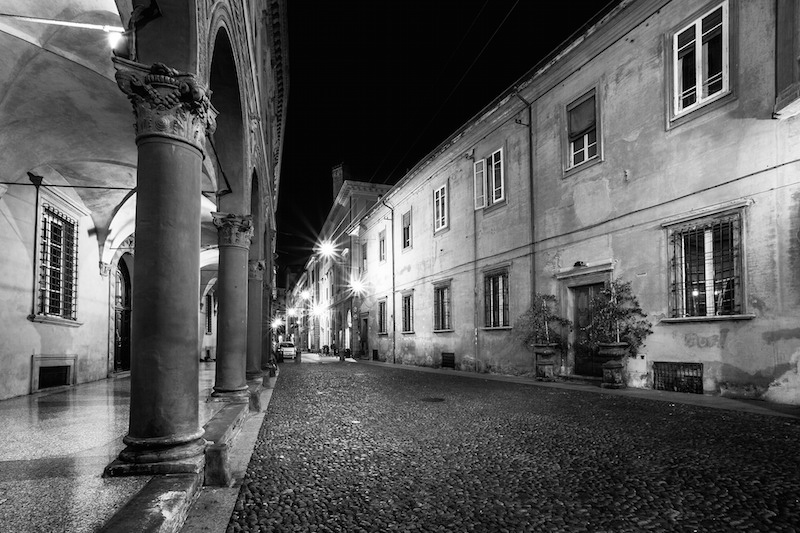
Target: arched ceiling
x,y
61,108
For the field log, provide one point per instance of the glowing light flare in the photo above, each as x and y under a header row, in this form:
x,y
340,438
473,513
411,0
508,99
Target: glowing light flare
x,y
357,285
305,295
114,37
276,323
327,249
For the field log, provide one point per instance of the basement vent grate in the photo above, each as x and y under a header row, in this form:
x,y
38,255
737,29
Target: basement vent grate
x,y
432,400
678,377
53,376
448,360
375,355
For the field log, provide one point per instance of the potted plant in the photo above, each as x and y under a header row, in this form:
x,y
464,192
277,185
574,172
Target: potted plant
x,y
617,329
541,329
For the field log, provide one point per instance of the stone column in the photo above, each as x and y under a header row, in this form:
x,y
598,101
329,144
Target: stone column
x,y
173,114
235,232
255,284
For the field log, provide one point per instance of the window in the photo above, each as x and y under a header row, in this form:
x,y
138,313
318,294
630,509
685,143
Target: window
x,y
441,307
489,180
382,316
706,267
440,208
407,229
495,292
700,60
58,274
582,129
382,246
209,313
408,313
363,257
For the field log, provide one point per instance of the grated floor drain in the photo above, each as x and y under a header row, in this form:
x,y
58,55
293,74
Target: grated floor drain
x,y
432,399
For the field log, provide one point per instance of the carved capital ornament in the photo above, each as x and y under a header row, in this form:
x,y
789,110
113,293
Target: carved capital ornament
x,y
234,230
255,269
166,103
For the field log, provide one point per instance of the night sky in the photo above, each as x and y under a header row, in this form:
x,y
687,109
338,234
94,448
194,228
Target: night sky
x,y
378,84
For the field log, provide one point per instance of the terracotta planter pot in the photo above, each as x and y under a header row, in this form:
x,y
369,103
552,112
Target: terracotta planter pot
x,y
614,354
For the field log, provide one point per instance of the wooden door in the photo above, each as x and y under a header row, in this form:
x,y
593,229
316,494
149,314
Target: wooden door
x,y
586,360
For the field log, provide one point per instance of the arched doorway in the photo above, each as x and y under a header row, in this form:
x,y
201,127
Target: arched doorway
x,y
122,315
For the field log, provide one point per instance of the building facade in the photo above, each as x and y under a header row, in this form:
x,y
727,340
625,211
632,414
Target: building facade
x,y
659,146
139,186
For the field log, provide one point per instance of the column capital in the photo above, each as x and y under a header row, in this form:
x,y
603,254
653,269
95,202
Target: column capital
x,y
255,269
167,103
234,230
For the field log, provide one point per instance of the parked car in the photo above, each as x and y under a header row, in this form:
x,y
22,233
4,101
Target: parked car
x,y
287,350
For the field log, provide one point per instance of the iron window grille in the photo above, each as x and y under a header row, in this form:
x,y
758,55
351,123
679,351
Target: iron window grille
x,y
701,71
382,316
582,129
706,267
441,308
58,281
496,300
209,313
408,313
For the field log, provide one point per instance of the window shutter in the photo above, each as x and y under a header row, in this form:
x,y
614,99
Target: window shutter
x,y
479,176
581,119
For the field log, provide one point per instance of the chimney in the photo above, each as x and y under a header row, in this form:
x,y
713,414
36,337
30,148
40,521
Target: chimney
x,y
339,173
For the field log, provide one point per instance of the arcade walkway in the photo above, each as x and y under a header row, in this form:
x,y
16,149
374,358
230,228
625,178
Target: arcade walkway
x,y
53,448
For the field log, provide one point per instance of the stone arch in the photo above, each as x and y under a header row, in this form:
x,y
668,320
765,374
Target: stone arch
x,y
228,141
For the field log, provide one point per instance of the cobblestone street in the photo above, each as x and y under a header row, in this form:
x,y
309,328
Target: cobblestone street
x,y
349,447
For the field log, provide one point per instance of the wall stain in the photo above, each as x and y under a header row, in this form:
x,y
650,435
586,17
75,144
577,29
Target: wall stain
x,y
771,337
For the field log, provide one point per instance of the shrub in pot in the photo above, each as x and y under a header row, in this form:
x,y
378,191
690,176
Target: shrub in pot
x,y
618,327
541,329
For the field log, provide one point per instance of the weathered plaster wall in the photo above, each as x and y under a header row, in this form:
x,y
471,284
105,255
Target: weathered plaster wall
x,y
22,338
651,173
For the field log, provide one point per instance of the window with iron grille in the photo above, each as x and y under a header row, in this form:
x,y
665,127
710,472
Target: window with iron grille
x,y
582,130
209,313
407,229
495,293
382,246
701,60
58,269
441,308
382,316
489,180
440,208
706,267
408,313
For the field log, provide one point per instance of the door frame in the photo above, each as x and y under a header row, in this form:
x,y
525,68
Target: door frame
x,y
571,278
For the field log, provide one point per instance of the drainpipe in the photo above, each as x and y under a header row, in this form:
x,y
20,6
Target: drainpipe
x,y
394,327
532,198
530,177
37,182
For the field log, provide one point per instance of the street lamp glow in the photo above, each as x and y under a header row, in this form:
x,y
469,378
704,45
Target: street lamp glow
x,y
292,312
305,295
327,249
276,323
357,285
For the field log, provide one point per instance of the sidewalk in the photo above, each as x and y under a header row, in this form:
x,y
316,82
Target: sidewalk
x,y
54,446
702,400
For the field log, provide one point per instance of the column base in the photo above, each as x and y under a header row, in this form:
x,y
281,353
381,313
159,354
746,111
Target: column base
x,y
255,377
238,395
187,458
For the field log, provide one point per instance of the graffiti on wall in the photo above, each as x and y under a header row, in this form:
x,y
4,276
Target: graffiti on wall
x,y
693,340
